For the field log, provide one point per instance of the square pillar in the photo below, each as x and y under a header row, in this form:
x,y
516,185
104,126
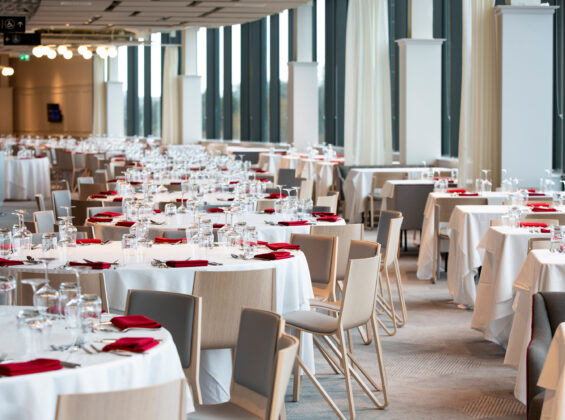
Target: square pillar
x,y
302,97
114,109
190,104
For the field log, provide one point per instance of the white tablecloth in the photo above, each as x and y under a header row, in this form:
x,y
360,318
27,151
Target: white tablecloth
x,y
219,199
293,292
506,250
320,171
23,178
542,271
269,162
357,187
34,396
552,378
426,254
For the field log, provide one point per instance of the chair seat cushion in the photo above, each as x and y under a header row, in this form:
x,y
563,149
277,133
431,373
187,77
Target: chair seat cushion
x,y
311,321
220,411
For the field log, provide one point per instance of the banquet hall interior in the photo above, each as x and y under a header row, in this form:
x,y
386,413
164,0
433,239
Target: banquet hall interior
x,y
294,209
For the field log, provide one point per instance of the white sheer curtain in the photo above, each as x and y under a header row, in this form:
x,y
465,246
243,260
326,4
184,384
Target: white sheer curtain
x,y
479,129
368,124
98,97
170,126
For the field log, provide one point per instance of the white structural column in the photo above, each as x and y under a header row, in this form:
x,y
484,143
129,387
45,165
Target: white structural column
x,y
526,90
190,96
420,88
303,84
7,101
114,101
98,96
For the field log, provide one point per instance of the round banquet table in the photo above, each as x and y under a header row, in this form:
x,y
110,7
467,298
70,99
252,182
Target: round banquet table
x,y
23,178
34,396
293,292
216,199
265,232
269,162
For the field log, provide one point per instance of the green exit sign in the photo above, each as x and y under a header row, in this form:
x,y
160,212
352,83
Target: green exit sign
x,y
24,57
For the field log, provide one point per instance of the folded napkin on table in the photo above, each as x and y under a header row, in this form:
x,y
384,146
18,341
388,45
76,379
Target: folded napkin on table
x,y
281,245
534,194
468,194
275,196
4,262
328,219
95,265
175,183
531,190
537,204
217,225
33,366
542,209
109,214
161,240
259,170
184,200
230,199
134,344
109,192
322,213
269,211
545,230
263,180
98,196
118,199
156,211
125,223
112,180
215,210
456,190
89,241
294,223
135,182
234,182
100,219
533,224
134,321
189,263
275,255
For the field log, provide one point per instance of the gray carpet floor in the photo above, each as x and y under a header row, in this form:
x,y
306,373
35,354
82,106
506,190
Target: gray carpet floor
x,y
437,366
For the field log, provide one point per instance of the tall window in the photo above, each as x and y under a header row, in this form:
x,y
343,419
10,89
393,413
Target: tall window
x,y
123,78
140,88
236,80
201,67
156,82
321,59
283,72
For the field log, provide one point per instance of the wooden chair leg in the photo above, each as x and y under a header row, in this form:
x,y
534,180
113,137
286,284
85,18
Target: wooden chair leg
x,y
347,374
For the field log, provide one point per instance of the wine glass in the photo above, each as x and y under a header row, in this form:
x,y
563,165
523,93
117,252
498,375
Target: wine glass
x,y
46,299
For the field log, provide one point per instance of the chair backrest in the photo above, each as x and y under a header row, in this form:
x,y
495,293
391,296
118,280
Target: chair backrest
x,y
363,249
539,243
90,283
92,162
44,221
80,208
559,217
379,178
93,211
60,199
321,208
359,292
328,200
100,176
262,205
410,200
85,190
286,354
174,234
447,204
286,176
321,254
40,201
393,241
255,360
345,234
177,312
164,401
224,294
174,187
495,222
306,189
64,159
384,226
85,180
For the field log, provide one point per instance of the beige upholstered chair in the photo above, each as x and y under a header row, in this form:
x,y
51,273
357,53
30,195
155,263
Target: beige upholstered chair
x,y
442,212
560,217
321,254
165,401
357,308
263,362
180,314
90,283
377,182
306,189
85,190
329,201
66,166
262,205
100,176
539,243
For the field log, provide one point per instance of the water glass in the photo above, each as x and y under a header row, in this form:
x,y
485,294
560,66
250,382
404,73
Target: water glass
x,y
170,209
46,300
33,326
67,292
7,290
129,243
5,242
48,243
556,238
90,310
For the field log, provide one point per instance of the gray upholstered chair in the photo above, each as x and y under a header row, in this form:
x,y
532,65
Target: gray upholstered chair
x,y
180,314
44,221
286,177
85,190
60,198
100,176
548,311
384,225
174,234
93,211
40,201
264,358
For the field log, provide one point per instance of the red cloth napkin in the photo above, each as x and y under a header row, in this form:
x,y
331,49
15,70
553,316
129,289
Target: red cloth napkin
x,y
134,344
535,194
95,265
468,194
217,225
195,169
281,245
230,199
537,204
545,230
269,211
89,241
189,263
328,219
109,214
113,180
98,196
234,182
531,190
125,223
294,223
175,183
533,224
215,210
100,219
109,192
136,182
542,209
263,179
322,213
156,211
456,190
4,262
161,240
259,170
120,199
275,255
275,196
33,366
184,200
134,321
